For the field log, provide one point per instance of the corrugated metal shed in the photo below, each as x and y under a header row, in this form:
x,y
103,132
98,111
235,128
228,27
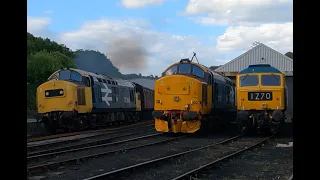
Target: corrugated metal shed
x,y
270,56
260,54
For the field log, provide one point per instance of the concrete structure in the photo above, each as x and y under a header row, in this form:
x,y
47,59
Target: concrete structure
x,y
262,54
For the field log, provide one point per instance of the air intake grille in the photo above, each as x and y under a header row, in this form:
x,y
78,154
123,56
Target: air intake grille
x,y
81,96
204,95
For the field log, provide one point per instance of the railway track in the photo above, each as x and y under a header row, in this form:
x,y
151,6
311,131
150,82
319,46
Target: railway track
x,y
63,142
85,144
228,148
193,173
142,141
47,137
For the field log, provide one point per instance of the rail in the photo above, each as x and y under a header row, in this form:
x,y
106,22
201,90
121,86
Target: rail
x,y
41,138
52,165
71,149
122,170
189,174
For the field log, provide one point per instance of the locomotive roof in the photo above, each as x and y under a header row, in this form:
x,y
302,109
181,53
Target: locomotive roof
x,y
204,68
120,82
216,75
260,68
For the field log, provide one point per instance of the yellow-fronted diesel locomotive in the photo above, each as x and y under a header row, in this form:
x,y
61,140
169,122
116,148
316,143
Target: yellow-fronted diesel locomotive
x,y
261,98
73,100
190,97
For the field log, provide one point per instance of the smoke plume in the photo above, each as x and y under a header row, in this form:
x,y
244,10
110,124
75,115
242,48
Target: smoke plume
x,y
127,53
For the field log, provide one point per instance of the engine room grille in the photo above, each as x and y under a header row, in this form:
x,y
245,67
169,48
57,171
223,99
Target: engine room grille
x,y
81,96
204,94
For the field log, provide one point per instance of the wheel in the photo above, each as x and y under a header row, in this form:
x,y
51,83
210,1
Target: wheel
x,y
50,125
241,127
204,127
281,128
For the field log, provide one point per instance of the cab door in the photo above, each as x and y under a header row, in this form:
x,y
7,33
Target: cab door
x,y
138,101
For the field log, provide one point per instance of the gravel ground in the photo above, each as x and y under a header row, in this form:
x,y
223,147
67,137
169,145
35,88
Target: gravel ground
x,y
267,162
112,162
176,166
83,139
81,153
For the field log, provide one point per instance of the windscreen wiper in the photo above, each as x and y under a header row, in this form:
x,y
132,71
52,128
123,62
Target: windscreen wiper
x,y
274,76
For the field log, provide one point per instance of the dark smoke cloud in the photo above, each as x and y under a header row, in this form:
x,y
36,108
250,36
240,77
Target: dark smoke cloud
x,y
127,53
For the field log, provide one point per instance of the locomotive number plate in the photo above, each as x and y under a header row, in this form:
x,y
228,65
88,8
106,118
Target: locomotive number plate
x,y
259,96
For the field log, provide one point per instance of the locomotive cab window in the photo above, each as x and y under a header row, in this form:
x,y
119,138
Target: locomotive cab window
x,y
249,80
184,68
76,76
197,71
70,75
172,70
270,80
64,74
54,77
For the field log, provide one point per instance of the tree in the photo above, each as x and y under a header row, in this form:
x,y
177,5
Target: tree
x,y
41,65
37,44
43,58
63,60
289,54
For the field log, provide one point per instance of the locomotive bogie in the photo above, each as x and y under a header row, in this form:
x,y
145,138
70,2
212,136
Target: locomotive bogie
x,y
260,120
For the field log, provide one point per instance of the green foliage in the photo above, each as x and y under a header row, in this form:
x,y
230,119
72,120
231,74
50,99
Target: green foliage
x,y
63,60
43,58
31,97
289,54
37,44
42,64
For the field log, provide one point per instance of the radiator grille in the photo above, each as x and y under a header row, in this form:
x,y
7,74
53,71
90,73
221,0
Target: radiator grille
x,y
204,94
81,96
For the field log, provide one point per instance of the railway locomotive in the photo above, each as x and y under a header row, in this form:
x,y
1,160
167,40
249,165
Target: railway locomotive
x,y
74,99
190,97
261,99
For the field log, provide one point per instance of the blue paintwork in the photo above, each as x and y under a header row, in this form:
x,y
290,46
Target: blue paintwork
x,y
123,92
260,68
219,96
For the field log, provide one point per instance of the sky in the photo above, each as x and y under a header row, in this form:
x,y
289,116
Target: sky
x,y
146,36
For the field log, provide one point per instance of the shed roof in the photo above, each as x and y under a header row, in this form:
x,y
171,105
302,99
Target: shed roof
x,y
260,54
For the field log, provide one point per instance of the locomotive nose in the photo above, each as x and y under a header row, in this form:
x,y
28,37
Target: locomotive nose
x,y
56,96
178,93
